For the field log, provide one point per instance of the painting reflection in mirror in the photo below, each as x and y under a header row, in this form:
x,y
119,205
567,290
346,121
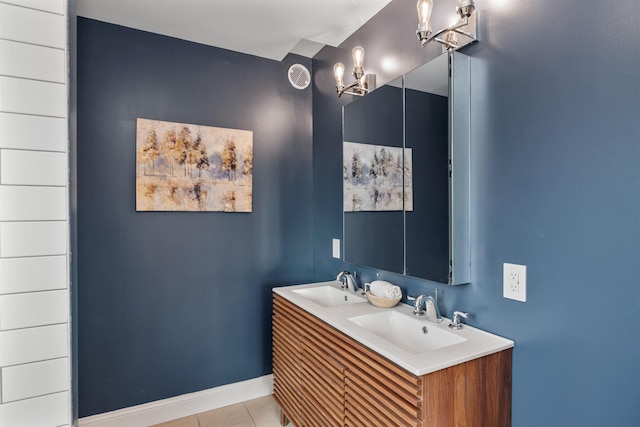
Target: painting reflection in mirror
x,y
373,178
374,229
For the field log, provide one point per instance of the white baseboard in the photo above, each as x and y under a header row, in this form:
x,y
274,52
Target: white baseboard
x,y
182,406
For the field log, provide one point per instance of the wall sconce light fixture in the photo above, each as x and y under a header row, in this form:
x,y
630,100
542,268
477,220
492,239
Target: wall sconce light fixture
x,y
364,83
464,26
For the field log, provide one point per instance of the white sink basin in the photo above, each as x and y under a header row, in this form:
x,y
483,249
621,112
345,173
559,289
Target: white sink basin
x,y
328,296
413,335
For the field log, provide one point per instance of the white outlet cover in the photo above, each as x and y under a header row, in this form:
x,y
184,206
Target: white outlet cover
x,y
514,282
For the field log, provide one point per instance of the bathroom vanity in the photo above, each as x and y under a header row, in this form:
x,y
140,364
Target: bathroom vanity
x,y
340,361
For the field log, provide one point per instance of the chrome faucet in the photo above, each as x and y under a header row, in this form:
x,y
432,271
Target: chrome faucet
x,y
430,307
347,280
455,322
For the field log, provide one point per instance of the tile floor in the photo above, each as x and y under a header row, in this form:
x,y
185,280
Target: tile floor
x,y
261,412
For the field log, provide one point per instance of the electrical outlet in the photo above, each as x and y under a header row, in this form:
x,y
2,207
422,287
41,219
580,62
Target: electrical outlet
x,y
514,282
336,248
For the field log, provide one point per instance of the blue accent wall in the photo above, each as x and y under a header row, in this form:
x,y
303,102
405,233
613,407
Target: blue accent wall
x,y
555,186
176,302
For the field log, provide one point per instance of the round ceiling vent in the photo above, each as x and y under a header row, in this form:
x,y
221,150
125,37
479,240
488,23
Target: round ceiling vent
x,y
299,76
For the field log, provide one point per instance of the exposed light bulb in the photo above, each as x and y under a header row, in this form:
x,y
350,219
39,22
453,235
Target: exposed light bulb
x,y
424,15
338,74
358,56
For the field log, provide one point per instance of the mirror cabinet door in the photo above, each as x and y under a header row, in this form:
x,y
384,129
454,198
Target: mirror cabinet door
x,y
460,176
426,92
414,129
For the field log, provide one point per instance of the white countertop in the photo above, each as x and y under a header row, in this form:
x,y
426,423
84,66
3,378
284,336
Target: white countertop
x,y
478,343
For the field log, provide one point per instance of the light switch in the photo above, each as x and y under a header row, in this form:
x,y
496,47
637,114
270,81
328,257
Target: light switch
x,y
336,248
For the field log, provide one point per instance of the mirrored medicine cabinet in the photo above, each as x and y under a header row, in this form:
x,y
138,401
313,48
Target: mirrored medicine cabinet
x,y
406,155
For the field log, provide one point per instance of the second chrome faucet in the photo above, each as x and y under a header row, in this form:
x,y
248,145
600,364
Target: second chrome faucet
x,y
430,307
348,281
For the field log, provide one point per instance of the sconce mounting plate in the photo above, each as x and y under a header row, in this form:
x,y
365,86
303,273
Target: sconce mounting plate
x,y
465,35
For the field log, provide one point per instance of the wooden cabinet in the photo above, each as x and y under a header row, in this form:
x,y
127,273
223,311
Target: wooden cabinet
x,y
325,378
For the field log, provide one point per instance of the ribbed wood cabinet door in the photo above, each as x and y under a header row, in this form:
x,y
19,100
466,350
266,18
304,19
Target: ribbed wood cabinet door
x,y
317,398
380,393
322,383
286,362
379,401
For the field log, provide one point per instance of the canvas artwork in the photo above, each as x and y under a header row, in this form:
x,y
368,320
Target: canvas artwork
x,y
186,167
373,178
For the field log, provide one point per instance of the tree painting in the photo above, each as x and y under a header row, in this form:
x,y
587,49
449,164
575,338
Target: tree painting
x,y
186,167
150,149
247,163
168,143
229,159
374,176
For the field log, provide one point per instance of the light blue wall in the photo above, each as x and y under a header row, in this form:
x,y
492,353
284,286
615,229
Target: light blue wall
x,y
555,186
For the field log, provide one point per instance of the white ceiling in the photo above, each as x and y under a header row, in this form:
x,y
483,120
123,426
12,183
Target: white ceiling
x,y
266,28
